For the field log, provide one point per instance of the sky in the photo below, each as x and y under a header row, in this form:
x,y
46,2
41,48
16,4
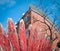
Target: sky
x,y
15,8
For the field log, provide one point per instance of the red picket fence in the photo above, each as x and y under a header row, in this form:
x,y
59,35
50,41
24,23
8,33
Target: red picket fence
x,y
35,41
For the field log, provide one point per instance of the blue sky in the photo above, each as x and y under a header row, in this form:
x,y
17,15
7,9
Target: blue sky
x,y
15,8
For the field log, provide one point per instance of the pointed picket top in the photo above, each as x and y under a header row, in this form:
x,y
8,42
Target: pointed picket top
x,y
9,20
21,25
1,37
22,22
0,25
11,26
4,39
12,34
1,29
10,23
22,33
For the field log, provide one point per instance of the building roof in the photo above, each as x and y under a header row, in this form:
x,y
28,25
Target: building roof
x,y
37,10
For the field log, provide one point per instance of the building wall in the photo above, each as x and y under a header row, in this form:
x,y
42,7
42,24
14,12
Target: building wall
x,y
37,23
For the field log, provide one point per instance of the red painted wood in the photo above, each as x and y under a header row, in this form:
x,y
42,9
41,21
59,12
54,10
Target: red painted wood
x,y
4,40
36,42
12,35
22,33
30,40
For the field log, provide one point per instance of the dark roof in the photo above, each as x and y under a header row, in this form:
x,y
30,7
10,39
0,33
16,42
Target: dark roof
x,y
37,10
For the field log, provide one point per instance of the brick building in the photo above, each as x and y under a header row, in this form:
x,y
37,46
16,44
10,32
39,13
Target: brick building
x,y
41,22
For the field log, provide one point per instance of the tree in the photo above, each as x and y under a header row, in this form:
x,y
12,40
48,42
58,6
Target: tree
x,y
50,10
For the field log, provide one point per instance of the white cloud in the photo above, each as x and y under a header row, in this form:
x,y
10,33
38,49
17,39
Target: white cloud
x,y
11,3
8,3
2,2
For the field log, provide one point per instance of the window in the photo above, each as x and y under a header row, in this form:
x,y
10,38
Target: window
x,y
27,32
27,18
